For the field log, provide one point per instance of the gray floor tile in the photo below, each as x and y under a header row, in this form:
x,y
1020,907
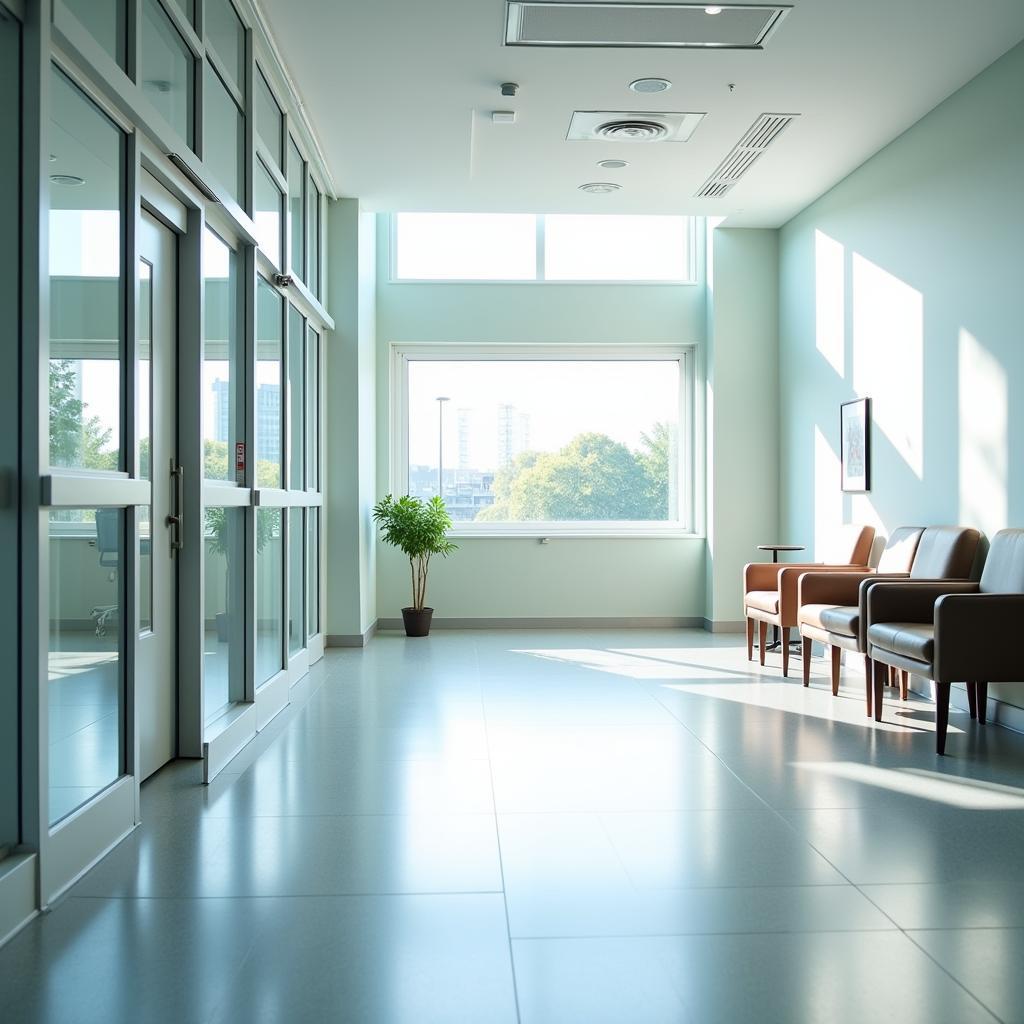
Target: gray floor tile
x,y
951,904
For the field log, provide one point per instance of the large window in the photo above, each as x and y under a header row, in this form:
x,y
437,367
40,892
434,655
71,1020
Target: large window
x,y
522,439
534,247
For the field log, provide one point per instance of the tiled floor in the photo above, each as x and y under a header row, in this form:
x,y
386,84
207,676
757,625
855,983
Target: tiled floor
x,y
558,827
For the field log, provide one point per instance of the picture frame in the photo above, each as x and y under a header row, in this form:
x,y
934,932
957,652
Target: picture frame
x,y
855,445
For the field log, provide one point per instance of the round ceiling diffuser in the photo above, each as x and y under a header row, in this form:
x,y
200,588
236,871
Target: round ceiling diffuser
x,y
631,131
650,85
599,188
612,165
73,180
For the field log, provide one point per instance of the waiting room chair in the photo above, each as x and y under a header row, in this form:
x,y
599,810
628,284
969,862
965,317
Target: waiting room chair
x,y
953,631
770,590
833,606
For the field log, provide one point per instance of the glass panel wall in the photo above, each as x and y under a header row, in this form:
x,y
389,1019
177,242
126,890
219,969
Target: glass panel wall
x,y
86,690
226,34
296,398
223,135
106,21
267,203
313,274
297,209
223,377
167,69
313,570
188,8
269,593
313,410
87,281
269,312
224,604
268,119
296,619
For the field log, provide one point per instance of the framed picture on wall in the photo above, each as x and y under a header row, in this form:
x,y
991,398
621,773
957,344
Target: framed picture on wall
x,y
855,444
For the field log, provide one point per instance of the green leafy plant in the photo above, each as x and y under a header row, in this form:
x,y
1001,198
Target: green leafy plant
x,y
418,529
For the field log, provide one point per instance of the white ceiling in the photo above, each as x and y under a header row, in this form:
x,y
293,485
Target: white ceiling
x,y
400,94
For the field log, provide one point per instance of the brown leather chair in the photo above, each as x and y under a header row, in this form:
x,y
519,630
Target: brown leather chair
x,y
770,590
833,606
953,632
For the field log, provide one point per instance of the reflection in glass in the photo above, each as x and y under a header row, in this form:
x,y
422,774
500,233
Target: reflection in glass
x,y
223,136
269,593
223,597
86,281
296,619
296,208
144,373
167,69
268,118
268,385
312,410
145,526
267,214
296,397
188,8
226,33
313,570
107,24
313,198
86,691
223,379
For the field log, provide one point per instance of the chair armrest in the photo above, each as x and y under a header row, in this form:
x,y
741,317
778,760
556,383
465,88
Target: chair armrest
x,y
839,588
862,598
760,576
910,601
977,637
789,585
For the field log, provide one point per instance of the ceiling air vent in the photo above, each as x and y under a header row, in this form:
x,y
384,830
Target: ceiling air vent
x,y
728,27
761,134
623,126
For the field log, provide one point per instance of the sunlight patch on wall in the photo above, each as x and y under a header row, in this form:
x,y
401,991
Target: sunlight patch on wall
x,y
829,301
888,357
828,498
983,438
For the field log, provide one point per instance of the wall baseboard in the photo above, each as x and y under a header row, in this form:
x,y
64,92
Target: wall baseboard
x,y
559,622
723,625
356,639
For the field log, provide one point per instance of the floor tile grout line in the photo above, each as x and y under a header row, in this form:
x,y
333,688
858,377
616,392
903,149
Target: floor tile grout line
x,y
501,861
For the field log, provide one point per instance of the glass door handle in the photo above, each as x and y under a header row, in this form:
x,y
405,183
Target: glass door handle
x,y
177,519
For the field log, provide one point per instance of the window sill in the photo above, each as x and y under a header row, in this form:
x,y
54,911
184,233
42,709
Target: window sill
x,y
536,533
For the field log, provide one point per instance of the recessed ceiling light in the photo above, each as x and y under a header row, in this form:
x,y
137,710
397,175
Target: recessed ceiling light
x,y
651,84
612,165
712,10
599,188
73,180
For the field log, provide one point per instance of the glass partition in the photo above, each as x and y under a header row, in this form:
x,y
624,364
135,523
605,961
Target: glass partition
x,y
86,281
167,69
268,119
267,202
226,34
297,209
313,271
296,398
269,311
224,609
223,136
269,593
312,410
296,619
106,21
223,376
86,689
313,570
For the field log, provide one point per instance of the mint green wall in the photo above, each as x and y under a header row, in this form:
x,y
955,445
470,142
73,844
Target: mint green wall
x,y
903,284
648,577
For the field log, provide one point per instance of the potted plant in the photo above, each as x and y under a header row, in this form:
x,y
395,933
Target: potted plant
x,y
418,529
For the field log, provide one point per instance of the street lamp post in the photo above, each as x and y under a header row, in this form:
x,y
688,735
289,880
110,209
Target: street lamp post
x,y
441,399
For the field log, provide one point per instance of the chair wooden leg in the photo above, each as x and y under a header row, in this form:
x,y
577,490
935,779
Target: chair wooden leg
x,y
941,716
972,698
750,639
784,630
904,685
837,653
762,639
806,659
893,673
869,678
881,675
982,702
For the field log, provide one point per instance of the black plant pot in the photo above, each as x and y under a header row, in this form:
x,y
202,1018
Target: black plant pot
x,y
417,623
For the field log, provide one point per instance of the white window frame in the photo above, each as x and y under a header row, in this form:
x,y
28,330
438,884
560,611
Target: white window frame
x,y
401,354
690,229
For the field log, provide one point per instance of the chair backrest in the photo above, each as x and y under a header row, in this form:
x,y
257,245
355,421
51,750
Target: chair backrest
x,y
108,523
847,545
900,549
945,552
1004,566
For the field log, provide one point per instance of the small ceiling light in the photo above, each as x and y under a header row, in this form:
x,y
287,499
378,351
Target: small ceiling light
x,y
712,10
509,88
612,165
651,84
53,158
71,180
599,188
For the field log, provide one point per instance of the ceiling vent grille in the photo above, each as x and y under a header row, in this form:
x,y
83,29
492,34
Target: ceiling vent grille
x,y
558,23
761,134
623,126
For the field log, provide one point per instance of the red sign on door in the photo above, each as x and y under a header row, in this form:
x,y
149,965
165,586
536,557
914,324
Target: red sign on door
x,y
239,456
